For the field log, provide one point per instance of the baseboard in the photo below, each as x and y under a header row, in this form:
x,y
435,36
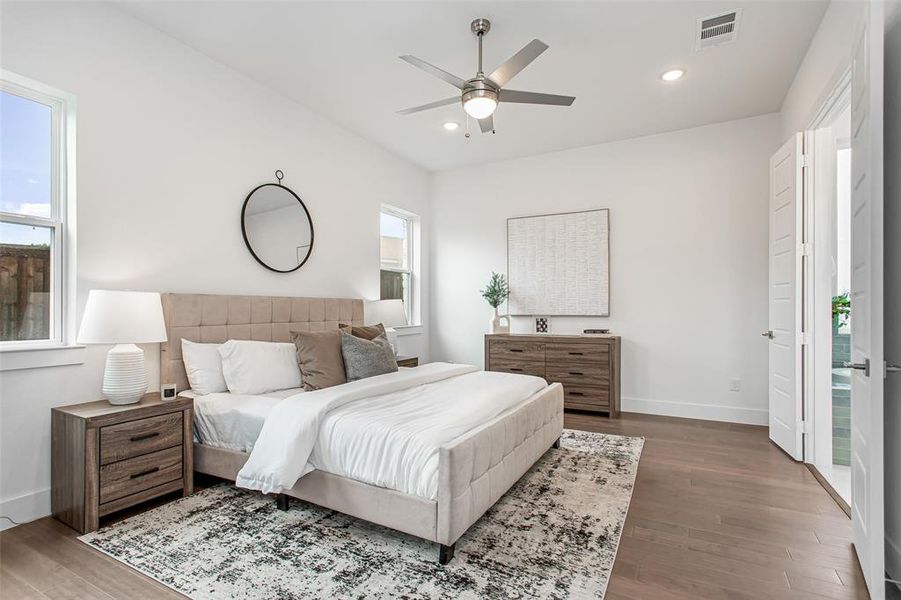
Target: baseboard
x,y
25,508
691,410
892,558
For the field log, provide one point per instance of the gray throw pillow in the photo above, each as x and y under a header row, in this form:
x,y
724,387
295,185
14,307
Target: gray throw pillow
x,y
365,358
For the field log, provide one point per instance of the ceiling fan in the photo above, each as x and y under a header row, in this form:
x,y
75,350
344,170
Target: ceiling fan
x,y
481,94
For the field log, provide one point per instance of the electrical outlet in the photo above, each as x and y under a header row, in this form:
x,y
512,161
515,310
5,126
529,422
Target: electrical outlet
x,y
735,385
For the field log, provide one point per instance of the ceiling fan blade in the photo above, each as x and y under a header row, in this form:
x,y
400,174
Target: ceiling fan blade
x,y
487,124
517,62
429,106
535,98
433,70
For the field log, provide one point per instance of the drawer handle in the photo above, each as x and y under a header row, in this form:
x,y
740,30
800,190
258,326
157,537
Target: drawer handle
x,y
577,353
575,373
147,472
576,394
515,350
516,369
144,436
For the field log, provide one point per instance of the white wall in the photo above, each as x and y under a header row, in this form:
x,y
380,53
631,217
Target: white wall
x,y
169,144
827,58
688,228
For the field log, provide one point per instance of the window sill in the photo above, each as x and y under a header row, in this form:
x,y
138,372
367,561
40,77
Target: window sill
x,y
408,330
15,358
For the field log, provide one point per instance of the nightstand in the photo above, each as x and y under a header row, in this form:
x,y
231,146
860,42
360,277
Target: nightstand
x,y
407,361
106,458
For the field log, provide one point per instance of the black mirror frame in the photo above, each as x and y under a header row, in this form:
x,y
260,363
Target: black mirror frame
x,y
244,228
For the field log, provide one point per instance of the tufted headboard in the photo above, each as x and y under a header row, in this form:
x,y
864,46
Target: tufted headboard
x,y
213,318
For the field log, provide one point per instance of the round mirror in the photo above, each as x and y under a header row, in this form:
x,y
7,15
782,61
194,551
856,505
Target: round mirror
x,y
277,228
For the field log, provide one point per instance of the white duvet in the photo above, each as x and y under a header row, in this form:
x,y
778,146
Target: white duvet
x,y
384,430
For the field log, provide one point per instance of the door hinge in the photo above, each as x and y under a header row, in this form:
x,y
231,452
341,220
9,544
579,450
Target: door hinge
x,y
806,428
805,248
805,338
805,161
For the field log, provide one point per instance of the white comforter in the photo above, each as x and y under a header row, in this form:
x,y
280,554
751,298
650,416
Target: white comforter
x,y
385,430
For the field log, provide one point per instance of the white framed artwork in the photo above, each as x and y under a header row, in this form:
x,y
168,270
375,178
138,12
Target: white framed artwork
x,y
559,264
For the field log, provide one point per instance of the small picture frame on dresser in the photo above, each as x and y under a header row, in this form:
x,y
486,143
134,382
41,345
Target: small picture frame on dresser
x,y
542,324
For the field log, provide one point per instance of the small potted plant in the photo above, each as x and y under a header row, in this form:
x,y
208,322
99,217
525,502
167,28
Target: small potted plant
x,y
496,292
841,310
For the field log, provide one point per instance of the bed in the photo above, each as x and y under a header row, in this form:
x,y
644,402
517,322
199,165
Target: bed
x,y
473,466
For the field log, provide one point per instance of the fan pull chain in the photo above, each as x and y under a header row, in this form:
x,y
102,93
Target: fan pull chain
x,y
466,135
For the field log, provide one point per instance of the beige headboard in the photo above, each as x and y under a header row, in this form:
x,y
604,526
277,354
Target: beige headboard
x,y
212,318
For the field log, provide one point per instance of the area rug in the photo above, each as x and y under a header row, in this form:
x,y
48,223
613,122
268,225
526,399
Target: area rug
x,y
553,535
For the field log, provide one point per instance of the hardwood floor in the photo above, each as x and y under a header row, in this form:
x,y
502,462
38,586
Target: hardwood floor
x,y
718,512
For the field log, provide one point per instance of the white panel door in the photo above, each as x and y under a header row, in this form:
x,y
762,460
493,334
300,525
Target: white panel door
x,y
785,297
867,510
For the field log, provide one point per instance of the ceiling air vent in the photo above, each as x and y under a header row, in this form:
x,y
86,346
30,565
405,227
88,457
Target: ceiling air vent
x,y
718,29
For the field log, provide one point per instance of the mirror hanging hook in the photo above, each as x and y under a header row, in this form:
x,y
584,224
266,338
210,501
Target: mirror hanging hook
x,y
279,175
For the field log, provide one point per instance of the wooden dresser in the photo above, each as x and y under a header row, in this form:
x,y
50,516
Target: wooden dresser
x,y
105,458
587,365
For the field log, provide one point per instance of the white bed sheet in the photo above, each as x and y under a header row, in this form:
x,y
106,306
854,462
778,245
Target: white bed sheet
x,y
389,440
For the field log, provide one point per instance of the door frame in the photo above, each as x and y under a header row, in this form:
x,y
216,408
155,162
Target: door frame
x,y
817,282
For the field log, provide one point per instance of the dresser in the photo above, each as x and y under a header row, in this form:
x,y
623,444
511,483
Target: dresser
x,y
105,458
587,365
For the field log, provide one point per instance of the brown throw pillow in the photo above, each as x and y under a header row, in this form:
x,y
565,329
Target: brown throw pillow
x,y
319,358
369,332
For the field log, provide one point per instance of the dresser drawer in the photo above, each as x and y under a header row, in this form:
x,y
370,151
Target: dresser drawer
x,y
134,438
507,364
593,375
516,350
575,396
562,353
131,476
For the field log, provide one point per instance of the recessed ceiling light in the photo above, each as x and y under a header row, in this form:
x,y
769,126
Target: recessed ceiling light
x,y
451,125
673,75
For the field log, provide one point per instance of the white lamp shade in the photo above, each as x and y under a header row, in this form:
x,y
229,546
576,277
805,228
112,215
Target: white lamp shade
x,y
114,317
389,313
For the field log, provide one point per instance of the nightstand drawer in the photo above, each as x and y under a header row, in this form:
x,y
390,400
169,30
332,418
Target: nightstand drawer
x,y
134,438
131,476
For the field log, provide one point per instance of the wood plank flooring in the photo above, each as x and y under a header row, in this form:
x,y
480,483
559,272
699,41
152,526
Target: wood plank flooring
x,y
718,512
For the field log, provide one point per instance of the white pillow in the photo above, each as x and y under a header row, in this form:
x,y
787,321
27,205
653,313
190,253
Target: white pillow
x,y
204,367
259,367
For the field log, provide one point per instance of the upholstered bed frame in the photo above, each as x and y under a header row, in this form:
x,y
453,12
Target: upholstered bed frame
x,y
474,471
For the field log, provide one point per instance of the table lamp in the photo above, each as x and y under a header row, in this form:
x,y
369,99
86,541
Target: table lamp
x,y
389,313
123,319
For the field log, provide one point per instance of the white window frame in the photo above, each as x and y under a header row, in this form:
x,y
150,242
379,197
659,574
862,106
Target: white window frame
x,y
412,220
17,354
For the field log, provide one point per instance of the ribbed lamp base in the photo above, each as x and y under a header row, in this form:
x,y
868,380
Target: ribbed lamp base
x,y
125,378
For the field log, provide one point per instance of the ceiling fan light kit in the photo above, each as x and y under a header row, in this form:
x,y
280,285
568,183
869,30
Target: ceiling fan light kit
x,y
481,95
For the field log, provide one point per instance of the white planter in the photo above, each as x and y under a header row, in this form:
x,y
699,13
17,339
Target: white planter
x,y
499,323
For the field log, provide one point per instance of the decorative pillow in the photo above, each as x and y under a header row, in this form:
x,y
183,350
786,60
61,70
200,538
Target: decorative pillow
x,y
204,367
258,367
365,358
318,354
369,332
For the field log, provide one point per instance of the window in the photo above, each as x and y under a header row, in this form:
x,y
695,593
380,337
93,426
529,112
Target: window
x,y
397,252
33,165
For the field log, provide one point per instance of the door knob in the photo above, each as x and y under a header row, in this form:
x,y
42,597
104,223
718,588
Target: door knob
x,y
768,334
864,366
891,368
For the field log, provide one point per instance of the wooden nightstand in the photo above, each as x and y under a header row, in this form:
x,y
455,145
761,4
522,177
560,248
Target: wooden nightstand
x,y
105,458
407,361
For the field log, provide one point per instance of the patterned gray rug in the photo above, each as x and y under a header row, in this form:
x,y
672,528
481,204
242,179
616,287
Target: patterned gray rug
x,y
553,535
